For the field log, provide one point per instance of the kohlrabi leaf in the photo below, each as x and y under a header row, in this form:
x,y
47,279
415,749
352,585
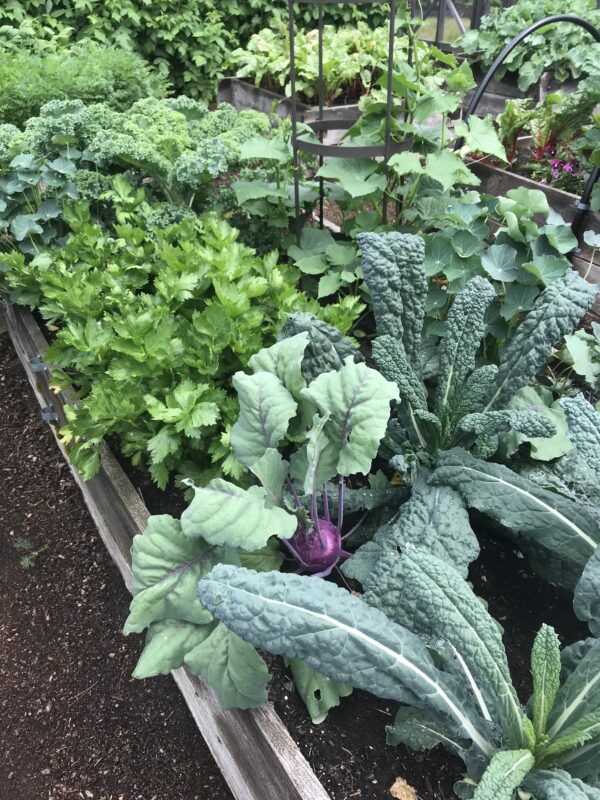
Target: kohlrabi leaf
x,y
266,408
327,348
321,457
584,429
224,514
284,359
545,669
167,642
556,784
232,667
419,732
428,596
586,601
167,566
271,470
555,313
504,775
357,400
339,636
558,534
464,331
319,694
392,266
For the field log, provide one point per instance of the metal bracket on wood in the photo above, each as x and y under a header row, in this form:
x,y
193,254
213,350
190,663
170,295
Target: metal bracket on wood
x,y
38,364
49,414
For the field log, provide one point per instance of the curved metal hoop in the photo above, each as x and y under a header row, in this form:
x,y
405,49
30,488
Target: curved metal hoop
x,y
583,205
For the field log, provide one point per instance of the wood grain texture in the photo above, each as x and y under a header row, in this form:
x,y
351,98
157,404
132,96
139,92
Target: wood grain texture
x,y
253,749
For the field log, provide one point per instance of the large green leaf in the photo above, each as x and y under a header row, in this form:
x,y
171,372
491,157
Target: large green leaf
x,y
545,668
431,598
481,136
419,732
586,601
357,176
167,566
232,667
266,408
284,359
558,534
340,637
392,266
505,773
320,694
556,311
224,514
357,401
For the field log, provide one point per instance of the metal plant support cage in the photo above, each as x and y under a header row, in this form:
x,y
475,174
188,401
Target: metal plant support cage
x,y
322,125
584,205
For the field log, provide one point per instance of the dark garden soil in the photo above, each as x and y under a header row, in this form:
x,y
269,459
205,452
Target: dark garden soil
x,y
73,723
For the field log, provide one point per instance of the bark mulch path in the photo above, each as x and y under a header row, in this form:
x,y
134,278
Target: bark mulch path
x,y
73,723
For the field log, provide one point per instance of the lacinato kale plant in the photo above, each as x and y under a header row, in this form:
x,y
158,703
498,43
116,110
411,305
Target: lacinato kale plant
x,y
421,637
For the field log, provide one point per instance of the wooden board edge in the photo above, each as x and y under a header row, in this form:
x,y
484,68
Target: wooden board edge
x,y
249,772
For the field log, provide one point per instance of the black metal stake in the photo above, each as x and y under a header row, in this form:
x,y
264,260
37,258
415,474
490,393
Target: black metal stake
x,y
295,159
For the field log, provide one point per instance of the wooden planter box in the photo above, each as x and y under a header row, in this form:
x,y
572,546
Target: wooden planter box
x,y
253,749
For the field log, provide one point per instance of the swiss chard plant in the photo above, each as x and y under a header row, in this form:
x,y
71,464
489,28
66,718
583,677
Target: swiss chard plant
x,y
327,411
421,637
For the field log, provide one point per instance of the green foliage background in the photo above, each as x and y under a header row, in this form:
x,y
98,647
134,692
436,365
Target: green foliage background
x,y
188,40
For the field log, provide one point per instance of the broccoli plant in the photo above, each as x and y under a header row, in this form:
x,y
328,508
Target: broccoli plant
x,y
421,637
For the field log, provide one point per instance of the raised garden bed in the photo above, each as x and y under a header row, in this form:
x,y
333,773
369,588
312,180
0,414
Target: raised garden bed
x,y
257,755
253,749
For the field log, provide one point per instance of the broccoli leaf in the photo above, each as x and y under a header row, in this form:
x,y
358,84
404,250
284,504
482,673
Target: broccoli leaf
x,y
545,668
327,348
584,429
586,600
431,598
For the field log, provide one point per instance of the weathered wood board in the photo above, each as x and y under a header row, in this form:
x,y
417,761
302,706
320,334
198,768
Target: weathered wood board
x,y
253,749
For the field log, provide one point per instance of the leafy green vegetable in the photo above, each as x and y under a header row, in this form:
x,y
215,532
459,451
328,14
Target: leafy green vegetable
x,y
505,773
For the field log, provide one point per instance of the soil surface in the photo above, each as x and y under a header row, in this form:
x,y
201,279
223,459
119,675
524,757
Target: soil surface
x,y
73,723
